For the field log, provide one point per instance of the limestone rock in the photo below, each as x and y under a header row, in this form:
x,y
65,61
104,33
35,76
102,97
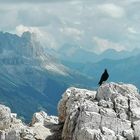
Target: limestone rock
x,y
129,134
12,135
111,113
43,127
136,126
5,117
108,134
75,97
39,117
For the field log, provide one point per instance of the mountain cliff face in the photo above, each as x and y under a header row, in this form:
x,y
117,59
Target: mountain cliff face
x,y
26,73
110,113
30,77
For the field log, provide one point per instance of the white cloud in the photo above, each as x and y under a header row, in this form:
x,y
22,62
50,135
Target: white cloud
x,y
112,10
20,29
131,1
44,37
74,21
72,32
30,1
132,30
104,44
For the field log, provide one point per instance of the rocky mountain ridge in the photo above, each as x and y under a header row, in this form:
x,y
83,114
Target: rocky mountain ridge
x,y
110,113
29,76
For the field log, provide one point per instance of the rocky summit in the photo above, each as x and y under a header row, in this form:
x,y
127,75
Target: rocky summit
x,y
112,112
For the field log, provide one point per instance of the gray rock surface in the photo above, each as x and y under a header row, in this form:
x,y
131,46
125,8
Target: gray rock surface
x,y
111,113
43,127
5,117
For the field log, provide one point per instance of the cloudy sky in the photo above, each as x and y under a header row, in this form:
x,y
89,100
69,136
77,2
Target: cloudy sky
x,y
94,25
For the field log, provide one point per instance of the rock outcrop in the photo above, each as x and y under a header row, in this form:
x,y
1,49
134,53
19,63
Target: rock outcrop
x,y
110,113
42,126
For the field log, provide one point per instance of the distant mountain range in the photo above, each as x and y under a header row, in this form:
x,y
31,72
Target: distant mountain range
x,y
30,78
74,53
122,70
33,77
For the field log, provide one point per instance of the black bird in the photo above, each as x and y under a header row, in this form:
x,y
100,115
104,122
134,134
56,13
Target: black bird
x,y
104,77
